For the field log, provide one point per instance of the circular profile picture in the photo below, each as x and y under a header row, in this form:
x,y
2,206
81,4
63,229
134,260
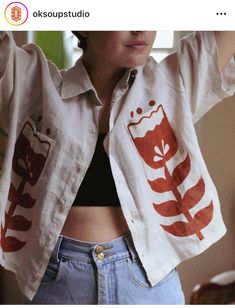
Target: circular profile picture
x,y
16,13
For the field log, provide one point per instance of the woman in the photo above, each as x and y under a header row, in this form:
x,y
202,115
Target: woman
x,y
108,55
148,206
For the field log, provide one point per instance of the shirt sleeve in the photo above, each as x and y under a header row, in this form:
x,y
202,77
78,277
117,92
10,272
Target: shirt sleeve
x,y
7,47
18,67
6,87
195,65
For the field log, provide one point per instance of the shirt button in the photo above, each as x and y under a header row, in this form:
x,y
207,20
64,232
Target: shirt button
x,y
92,130
133,73
124,89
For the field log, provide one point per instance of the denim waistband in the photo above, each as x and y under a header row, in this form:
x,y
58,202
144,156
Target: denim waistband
x,y
73,249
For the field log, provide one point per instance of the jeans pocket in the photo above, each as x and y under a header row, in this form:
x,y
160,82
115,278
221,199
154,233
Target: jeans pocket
x,y
137,273
52,274
169,276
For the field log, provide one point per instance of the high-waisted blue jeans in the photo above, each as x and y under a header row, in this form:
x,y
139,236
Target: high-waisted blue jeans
x,y
102,273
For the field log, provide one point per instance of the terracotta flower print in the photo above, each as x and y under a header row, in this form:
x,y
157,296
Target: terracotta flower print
x,y
156,143
155,146
28,162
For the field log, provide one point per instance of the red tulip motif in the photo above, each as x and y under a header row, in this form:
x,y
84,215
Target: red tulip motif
x,y
29,159
156,143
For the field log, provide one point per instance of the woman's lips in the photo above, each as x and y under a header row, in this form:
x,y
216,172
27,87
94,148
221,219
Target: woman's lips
x,y
137,44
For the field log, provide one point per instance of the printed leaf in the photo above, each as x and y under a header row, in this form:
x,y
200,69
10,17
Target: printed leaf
x,y
12,196
203,217
11,243
160,185
181,171
1,232
179,228
168,208
19,223
193,195
26,201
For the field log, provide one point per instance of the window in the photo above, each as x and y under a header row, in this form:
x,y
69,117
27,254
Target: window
x,y
163,45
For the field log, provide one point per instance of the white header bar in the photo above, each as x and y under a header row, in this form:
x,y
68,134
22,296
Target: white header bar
x,y
117,15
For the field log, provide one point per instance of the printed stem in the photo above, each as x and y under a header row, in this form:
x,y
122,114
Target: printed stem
x,y
13,207
178,197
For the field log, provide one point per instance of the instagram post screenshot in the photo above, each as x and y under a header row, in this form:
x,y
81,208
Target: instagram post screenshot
x,y
117,146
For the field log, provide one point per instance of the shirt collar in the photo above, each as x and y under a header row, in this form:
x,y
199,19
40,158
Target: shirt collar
x,y
77,81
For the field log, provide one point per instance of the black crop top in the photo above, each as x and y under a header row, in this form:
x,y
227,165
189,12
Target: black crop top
x,y
98,187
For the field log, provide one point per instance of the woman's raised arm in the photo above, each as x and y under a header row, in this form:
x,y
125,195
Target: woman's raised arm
x,y
226,46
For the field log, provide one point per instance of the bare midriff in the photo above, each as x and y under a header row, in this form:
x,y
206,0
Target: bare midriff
x,y
95,223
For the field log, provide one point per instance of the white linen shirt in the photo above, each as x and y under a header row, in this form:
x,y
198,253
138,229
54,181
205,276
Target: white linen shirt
x,y
48,133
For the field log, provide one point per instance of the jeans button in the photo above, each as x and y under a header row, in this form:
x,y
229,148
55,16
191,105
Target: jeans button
x,y
99,249
100,256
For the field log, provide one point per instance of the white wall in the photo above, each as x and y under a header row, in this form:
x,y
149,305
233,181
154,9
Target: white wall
x,y
216,132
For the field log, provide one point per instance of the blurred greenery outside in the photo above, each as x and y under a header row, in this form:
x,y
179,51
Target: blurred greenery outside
x,y
52,44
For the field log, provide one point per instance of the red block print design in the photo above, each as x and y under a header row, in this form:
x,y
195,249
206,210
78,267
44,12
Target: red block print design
x,y
156,143
28,162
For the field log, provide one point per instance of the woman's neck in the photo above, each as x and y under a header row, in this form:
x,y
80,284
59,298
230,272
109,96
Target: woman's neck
x,y
104,78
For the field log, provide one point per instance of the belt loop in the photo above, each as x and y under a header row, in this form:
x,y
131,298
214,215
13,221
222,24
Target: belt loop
x,y
130,244
56,250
